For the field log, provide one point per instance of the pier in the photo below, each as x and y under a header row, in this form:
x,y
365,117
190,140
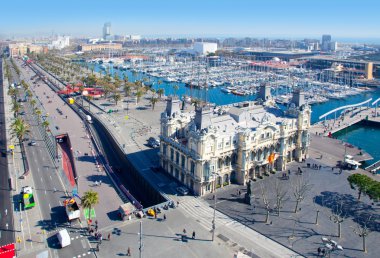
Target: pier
x,y
356,114
374,167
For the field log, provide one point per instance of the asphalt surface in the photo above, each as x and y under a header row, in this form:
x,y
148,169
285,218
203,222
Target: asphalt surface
x,y
49,193
6,214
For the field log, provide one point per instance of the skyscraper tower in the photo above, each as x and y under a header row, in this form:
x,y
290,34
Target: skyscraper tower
x,y
106,30
326,43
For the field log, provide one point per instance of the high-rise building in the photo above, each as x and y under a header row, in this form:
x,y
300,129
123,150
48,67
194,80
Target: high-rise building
x,y
107,30
326,42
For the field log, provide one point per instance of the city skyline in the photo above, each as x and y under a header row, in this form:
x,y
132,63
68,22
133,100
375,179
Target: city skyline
x,y
286,19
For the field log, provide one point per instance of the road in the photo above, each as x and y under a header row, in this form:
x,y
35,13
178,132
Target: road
x,y
49,195
6,213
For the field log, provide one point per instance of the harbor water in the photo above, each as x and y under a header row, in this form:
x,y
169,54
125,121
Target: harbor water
x,y
364,137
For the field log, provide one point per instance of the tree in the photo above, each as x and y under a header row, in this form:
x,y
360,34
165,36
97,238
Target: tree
x,y
363,231
160,92
45,124
264,197
89,200
374,191
300,188
280,195
19,129
361,182
175,88
116,97
127,89
337,216
16,107
139,94
153,101
38,112
33,102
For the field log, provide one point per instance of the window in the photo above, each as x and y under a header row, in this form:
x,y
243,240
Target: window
x,y
227,143
183,161
220,145
164,147
171,154
262,136
177,157
268,135
206,170
192,167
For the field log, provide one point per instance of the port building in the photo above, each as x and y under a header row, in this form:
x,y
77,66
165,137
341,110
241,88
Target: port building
x,y
211,147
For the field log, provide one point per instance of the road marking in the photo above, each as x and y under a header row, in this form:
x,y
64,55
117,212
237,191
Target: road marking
x,y
49,206
83,241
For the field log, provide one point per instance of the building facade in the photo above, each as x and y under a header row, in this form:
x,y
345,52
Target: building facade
x,y
213,147
204,48
97,47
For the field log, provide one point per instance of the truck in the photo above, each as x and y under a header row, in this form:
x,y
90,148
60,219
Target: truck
x,y
27,197
126,210
64,238
88,119
72,209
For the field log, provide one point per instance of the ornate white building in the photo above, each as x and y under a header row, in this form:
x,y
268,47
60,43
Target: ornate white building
x,y
213,147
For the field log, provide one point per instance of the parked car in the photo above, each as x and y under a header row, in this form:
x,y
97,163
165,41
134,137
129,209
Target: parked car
x,y
32,143
182,190
153,142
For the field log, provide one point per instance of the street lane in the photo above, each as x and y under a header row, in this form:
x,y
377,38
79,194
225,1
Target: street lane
x,y
6,211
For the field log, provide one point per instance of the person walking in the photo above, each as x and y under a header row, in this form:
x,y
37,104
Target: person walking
x,y
184,231
129,251
109,237
193,237
164,217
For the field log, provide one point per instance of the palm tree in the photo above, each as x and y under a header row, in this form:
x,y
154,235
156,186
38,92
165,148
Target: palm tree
x,y
160,92
16,107
33,102
175,88
153,101
116,97
45,124
139,94
89,200
127,89
19,129
38,112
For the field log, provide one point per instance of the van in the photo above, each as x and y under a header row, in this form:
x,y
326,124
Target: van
x,y
64,238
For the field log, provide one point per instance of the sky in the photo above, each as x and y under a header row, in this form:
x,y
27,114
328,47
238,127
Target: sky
x,y
217,18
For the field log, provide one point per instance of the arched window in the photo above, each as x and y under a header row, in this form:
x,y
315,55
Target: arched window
x,y
233,158
192,167
206,169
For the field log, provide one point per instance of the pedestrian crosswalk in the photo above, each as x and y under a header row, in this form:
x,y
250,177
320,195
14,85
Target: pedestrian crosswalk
x,y
239,235
203,213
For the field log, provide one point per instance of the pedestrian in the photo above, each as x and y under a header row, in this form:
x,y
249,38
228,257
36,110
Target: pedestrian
x,y
97,247
319,251
129,251
177,203
320,167
96,222
239,192
332,168
193,237
100,182
184,231
101,239
164,217
109,237
289,172
323,251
